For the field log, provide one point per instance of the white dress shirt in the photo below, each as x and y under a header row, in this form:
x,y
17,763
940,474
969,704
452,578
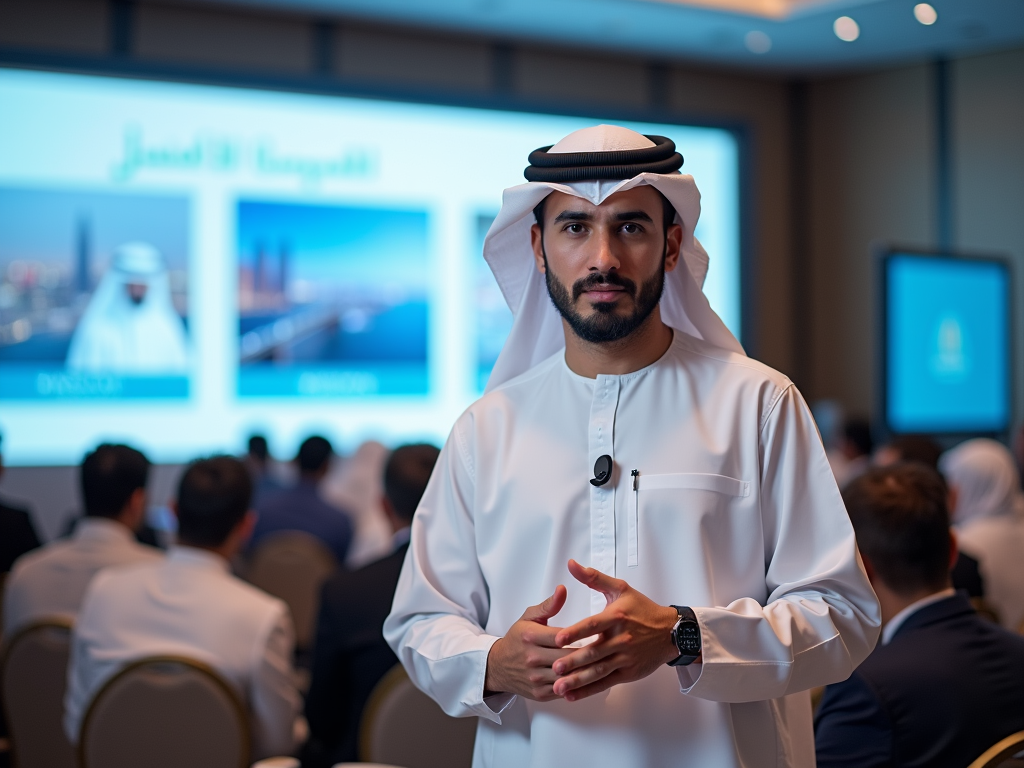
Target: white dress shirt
x,y
736,514
897,621
50,582
189,605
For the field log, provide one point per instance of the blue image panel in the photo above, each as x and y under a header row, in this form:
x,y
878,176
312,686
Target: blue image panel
x,y
333,300
32,382
948,325
94,294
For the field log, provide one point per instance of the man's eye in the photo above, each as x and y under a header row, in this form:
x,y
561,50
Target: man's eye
x,y
631,229
574,229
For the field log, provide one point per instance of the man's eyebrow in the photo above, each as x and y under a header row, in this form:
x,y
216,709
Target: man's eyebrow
x,y
633,216
573,216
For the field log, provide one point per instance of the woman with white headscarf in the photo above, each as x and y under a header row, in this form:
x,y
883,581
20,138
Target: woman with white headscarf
x,y
988,516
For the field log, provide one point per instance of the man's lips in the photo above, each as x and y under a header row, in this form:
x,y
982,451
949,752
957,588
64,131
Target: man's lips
x,y
604,293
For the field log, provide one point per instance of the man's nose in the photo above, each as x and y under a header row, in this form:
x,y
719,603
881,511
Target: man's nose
x,y
603,258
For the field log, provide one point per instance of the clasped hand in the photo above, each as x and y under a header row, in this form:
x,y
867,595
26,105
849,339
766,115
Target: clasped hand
x,y
632,640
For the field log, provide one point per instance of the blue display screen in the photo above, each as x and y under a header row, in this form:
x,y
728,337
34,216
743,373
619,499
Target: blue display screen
x,y
947,351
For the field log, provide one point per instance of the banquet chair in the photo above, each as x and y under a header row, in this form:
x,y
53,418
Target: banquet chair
x,y
34,676
165,712
1008,753
293,566
401,725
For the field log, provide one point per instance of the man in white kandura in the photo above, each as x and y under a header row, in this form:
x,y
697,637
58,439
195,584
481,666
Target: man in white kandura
x,y
721,578
130,325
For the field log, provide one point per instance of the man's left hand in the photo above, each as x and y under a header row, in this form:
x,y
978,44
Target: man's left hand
x,y
634,639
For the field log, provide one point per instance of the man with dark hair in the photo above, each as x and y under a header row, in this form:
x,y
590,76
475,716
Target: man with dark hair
x,y
351,655
190,605
943,685
51,582
917,448
301,508
17,534
257,461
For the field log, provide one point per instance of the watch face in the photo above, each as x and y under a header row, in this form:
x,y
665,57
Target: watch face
x,y
689,638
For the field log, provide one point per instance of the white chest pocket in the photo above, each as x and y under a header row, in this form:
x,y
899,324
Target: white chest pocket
x,y
693,481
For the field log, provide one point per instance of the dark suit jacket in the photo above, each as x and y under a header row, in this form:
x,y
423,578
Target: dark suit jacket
x,y
947,687
349,658
17,535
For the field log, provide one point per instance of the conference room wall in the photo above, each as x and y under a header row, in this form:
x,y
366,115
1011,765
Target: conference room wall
x,y
874,178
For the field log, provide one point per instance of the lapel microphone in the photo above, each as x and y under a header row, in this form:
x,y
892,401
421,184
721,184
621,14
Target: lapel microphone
x,y
602,470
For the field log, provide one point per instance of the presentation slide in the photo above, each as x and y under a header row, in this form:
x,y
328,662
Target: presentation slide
x,y
183,265
947,351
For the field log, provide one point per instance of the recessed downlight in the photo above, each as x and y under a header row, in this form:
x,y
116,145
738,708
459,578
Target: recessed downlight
x,y
757,42
926,14
846,29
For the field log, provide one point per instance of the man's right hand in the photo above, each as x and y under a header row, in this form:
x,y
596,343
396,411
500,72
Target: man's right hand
x,y
520,662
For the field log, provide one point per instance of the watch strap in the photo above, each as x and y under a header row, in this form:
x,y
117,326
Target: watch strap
x,y
686,616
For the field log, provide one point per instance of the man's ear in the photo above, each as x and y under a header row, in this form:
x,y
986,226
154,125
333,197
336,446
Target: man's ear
x,y
537,243
673,246
954,550
135,510
246,526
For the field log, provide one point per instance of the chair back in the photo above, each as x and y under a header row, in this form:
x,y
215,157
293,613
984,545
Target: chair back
x,y
165,712
403,726
1007,753
293,566
34,676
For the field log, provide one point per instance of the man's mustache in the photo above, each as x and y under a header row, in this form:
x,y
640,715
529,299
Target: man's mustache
x,y
595,280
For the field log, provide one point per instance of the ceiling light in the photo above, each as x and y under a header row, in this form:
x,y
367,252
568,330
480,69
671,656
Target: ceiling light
x,y
846,29
757,42
925,14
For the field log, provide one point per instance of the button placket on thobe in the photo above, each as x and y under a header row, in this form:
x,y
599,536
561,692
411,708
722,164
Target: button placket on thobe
x,y
602,498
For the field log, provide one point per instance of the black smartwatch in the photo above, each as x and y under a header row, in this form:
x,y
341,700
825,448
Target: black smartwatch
x,y
686,637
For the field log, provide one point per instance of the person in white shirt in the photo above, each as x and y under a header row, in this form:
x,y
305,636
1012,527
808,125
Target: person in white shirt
x,y
131,325
50,582
624,428
190,605
988,514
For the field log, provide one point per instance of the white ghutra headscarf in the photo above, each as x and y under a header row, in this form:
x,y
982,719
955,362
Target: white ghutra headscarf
x,y
537,328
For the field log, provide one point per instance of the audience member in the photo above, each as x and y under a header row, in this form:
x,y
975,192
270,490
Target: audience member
x,y
350,654
300,508
919,448
855,451
989,519
189,604
257,461
923,449
17,534
356,485
51,582
943,685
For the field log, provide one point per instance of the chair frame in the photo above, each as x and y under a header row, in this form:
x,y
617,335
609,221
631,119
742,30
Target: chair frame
x,y
1002,750
391,680
193,664
52,622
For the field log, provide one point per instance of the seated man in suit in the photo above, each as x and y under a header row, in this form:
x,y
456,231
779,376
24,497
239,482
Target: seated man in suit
x,y
300,508
17,534
50,582
351,655
943,685
189,604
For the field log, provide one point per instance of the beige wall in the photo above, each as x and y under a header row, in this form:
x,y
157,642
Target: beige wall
x,y
873,181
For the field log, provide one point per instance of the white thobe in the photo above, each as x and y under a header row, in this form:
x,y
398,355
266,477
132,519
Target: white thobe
x,y
189,605
736,514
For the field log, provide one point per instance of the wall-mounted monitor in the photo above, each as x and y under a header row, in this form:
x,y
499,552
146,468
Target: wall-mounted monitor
x,y
946,349
182,264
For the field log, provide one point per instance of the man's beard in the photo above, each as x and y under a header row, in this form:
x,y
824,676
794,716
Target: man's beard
x,y
605,325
